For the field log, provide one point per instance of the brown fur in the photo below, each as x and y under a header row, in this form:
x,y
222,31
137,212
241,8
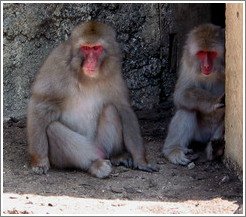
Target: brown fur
x,y
66,106
197,97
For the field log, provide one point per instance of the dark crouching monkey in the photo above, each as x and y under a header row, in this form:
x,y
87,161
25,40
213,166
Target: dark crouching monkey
x,y
79,114
198,95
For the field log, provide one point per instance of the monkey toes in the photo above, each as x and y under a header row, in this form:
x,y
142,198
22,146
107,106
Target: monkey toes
x,y
100,168
177,156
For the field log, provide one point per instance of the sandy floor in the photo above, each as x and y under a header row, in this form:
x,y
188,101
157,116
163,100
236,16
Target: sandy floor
x,y
208,188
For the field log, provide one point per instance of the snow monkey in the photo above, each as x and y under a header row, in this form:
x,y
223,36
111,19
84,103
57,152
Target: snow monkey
x,y
198,95
79,114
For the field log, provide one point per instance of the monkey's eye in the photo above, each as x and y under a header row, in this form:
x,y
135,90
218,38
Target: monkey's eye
x,y
85,47
98,48
201,52
212,54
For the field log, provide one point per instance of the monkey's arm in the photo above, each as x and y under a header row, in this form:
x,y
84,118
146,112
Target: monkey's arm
x,y
133,140
39,117
193,98
48,92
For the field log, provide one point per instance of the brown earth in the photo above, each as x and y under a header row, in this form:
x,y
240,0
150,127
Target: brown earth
x,y
207,188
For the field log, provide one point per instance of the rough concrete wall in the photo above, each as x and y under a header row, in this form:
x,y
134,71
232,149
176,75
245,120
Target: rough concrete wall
x,y
234,85
150,36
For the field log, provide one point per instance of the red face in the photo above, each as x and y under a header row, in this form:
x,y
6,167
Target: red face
x,y
91,54
207,60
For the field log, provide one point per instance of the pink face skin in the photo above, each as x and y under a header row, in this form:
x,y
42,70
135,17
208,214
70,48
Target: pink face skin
x,y
91,54
207,60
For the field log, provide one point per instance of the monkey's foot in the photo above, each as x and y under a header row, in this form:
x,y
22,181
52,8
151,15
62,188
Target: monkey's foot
x,y
100,168
177,156
215,149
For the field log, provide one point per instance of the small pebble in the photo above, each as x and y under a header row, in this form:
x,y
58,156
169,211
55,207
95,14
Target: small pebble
x,y
225,179
161,162
152,184
130,190
191,165
116,190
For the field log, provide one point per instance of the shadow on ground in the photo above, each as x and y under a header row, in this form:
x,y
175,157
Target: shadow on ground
x,y
209,183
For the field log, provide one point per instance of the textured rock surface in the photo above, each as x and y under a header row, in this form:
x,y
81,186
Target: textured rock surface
x,y
150,36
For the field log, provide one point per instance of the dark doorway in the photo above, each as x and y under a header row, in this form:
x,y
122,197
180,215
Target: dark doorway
x,y
218,14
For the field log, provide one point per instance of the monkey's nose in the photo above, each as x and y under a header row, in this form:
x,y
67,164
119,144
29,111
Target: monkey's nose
x,y
207,68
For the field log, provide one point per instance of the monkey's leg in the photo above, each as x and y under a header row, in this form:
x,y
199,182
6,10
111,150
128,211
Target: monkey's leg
x,y
133,141
180,133
215,147
70,149
109,137
109,131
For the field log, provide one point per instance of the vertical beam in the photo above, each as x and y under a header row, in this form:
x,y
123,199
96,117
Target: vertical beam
x,y
234,85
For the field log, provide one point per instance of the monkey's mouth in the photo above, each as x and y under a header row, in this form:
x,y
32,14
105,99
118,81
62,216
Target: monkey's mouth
x,y
90,72
206,71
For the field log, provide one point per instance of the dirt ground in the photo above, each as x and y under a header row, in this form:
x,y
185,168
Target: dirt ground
x,y
205,188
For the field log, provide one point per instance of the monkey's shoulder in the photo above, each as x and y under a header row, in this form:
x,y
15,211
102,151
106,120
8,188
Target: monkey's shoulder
x,y
57,56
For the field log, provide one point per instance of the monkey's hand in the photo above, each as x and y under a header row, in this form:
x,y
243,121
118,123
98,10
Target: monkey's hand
x,y
126,160
220,102
122,159
42,167
144,166
147,168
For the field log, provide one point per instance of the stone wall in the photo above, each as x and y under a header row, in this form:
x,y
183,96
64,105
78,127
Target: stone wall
x,y
150,37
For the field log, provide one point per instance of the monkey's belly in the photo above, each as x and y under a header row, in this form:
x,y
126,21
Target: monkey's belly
x,y
81,115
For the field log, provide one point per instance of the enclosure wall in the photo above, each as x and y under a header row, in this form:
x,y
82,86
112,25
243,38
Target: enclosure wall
x,y
234,85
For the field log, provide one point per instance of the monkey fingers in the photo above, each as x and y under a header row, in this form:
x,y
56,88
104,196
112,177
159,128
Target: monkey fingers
x,y
147,168
122,159
218,106
220,102
222,99
42,168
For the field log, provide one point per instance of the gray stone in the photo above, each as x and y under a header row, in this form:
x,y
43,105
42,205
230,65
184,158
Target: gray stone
x,y
150,37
